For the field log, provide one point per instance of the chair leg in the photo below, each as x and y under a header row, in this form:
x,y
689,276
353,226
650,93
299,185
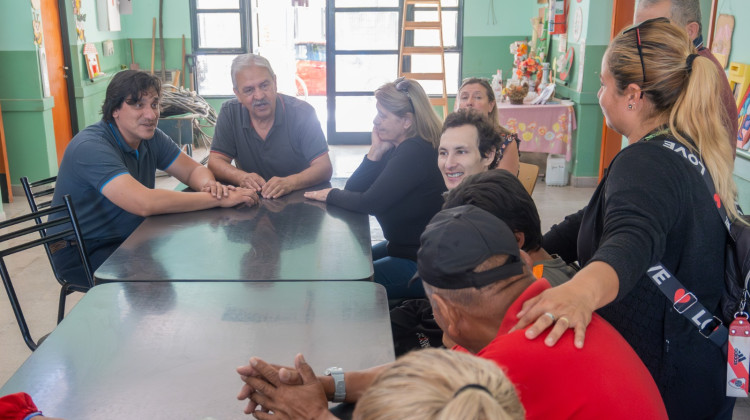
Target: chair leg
x,y
16,305
61,307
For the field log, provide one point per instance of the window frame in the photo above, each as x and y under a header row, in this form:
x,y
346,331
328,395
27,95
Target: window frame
x,y
246,42
339,137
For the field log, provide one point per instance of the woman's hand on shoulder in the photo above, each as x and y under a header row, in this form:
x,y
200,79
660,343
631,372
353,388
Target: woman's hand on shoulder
x,y
561,308
570,305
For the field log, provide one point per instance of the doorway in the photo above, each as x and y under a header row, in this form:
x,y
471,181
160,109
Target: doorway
x,y
292,36
58,72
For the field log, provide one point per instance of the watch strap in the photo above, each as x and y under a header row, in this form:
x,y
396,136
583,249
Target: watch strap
x,y
337,374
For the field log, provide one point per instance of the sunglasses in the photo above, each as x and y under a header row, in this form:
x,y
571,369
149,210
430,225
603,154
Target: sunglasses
x,y
637,29
402,85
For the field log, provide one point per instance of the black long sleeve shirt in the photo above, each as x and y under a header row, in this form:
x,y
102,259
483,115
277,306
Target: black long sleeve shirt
x,y
403,190
654,206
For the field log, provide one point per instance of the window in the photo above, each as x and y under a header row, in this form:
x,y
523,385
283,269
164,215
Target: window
x,y
451,18
364,44
220,32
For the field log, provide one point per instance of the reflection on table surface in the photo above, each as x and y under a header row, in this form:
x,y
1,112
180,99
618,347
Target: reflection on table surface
x,y
541,128
169,350
290,238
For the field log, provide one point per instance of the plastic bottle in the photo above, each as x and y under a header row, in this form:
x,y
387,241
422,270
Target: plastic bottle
x,y
497,84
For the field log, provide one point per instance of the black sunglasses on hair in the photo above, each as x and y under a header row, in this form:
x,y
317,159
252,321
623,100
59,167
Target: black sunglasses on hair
x,y
637,29
402,85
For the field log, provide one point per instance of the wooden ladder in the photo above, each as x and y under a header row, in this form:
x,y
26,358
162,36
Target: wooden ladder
x,y
414,50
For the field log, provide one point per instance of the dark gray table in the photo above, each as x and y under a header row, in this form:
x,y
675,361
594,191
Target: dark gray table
x,y
170,350
290,238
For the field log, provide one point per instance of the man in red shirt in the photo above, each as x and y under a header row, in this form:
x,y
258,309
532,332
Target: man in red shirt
x,y
476,280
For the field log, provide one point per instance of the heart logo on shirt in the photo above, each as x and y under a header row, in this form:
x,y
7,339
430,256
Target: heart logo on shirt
x,y
683,300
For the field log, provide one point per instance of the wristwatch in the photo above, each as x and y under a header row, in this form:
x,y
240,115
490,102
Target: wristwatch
x,y
337,374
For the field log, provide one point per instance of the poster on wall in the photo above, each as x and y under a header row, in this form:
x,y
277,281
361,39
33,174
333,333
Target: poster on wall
x,y
36,23
722,45
743,134
80,18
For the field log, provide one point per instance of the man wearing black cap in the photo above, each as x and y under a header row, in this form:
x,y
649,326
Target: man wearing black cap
x,y
476,280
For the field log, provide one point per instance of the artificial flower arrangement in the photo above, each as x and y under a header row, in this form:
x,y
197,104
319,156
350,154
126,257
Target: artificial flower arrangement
x,y
526,66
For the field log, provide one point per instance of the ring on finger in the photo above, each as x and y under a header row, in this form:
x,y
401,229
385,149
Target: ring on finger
x,y
551,316
567,321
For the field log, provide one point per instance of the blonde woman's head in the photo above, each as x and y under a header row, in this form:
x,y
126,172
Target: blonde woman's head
x,y
405,97
440,384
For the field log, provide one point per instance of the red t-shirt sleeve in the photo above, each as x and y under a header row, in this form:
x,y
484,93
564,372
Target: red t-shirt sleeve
x,y
17,406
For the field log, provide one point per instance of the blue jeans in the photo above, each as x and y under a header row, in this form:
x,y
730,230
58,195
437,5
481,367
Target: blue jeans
x,y
67,262
395,273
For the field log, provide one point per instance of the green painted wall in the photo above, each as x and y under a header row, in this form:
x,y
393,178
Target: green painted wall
x,y
582,84
486,49
89,94
27,116
512,17
486,45
740,9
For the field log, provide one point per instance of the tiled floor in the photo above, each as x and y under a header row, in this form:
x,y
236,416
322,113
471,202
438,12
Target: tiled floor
x,y
38,291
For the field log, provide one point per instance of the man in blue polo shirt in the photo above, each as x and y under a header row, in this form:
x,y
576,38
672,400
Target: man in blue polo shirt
x,y
109,170
275,140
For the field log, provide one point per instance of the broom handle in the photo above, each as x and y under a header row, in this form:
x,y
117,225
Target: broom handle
x,y
153,45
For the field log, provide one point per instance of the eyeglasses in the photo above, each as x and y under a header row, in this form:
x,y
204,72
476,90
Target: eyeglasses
x,y
637,29
402,85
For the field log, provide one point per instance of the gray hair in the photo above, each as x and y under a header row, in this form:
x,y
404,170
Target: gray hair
x,y
681,12
248,60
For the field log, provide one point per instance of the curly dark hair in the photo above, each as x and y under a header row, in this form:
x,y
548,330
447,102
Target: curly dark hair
x,y
490,136
125,86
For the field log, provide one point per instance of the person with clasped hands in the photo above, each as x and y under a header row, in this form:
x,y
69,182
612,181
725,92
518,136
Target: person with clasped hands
x,y
651,206
275,140
430,384
398,182
476,279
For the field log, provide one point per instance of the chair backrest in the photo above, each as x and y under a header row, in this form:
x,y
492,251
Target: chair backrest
x,y
25,236
39,194
527,174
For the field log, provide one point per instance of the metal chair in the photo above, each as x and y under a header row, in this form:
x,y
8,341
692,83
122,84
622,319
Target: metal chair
x,y
39,193
19,231
39,196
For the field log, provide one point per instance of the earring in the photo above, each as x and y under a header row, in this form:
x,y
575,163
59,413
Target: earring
x,y
630,106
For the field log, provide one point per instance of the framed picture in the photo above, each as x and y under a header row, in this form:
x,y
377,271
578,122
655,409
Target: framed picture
x,y
91,56
722,41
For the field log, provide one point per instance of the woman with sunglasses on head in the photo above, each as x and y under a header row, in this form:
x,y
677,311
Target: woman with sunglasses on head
x,y
397,182
652,206
477,94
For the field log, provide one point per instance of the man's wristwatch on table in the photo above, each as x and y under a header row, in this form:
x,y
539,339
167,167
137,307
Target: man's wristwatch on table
x,y
338,380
